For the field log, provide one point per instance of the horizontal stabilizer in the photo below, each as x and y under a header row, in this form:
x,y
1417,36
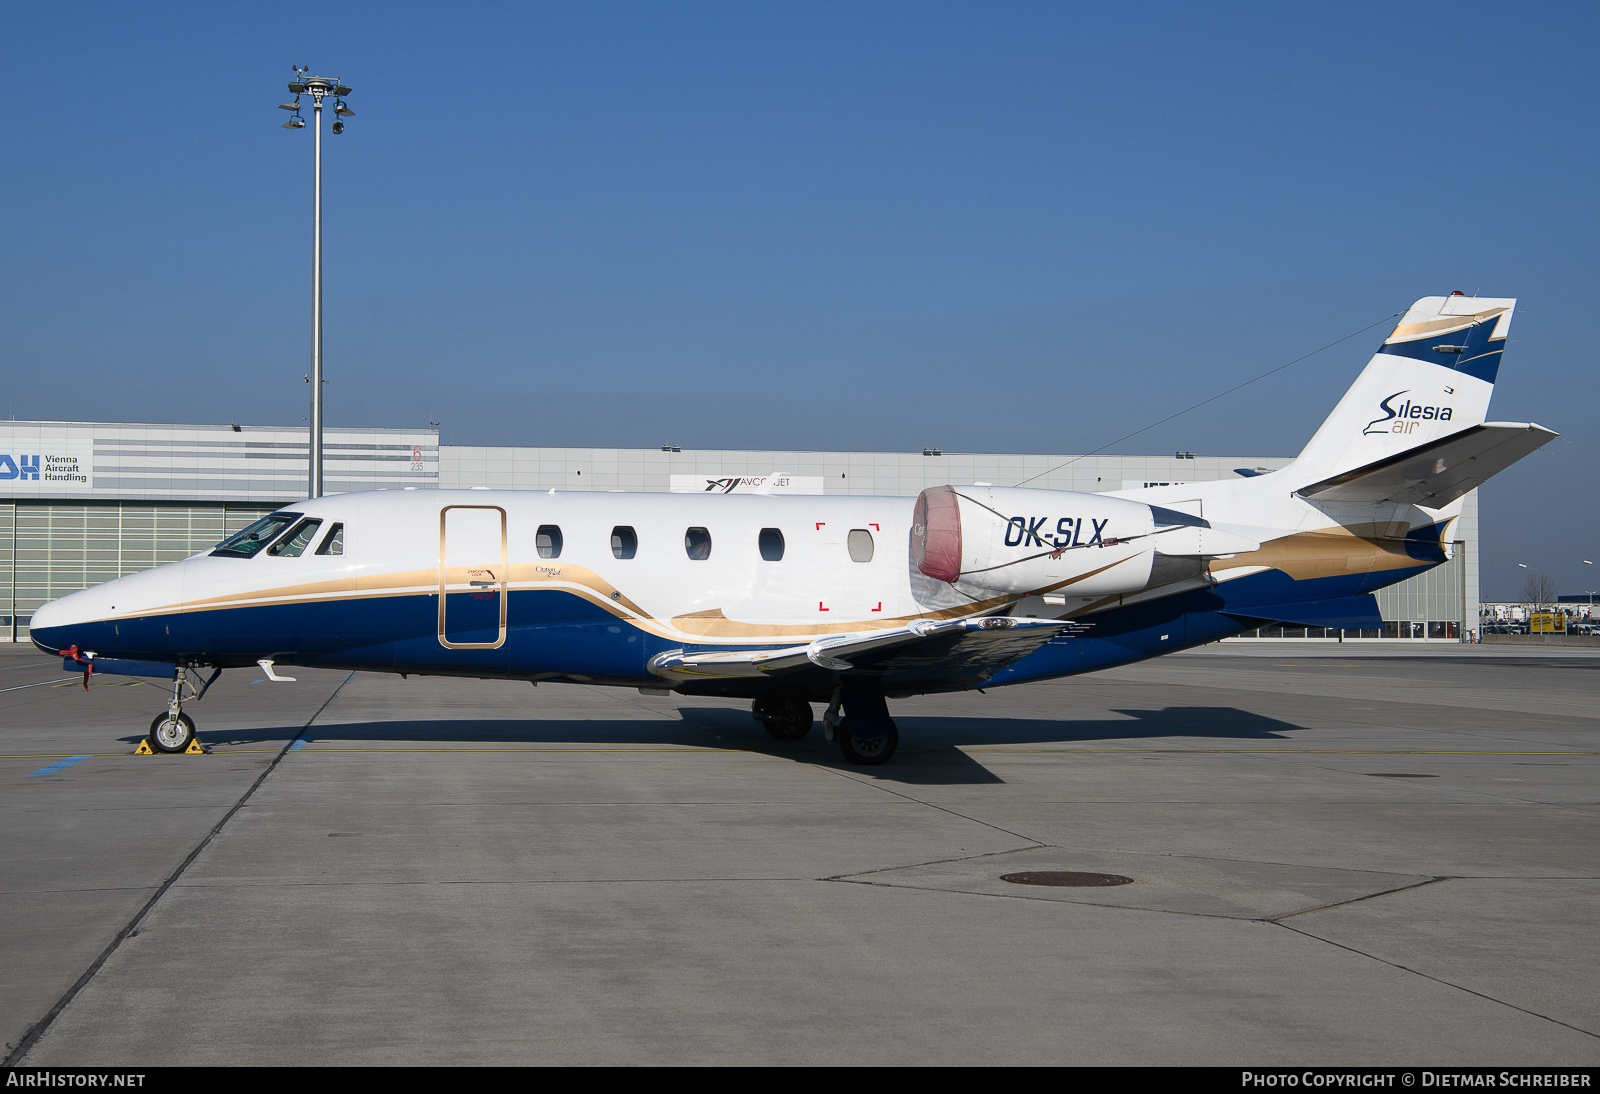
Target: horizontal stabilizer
x,y
1344,612
1437,473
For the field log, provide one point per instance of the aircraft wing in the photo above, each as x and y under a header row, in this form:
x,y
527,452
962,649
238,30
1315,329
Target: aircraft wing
x,y
1436,474
974,648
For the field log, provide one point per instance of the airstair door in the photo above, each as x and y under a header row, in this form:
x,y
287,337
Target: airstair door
x,y
472,577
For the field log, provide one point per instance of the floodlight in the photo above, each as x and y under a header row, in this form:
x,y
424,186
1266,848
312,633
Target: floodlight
x,y
343,111
296,122
290,106
338,127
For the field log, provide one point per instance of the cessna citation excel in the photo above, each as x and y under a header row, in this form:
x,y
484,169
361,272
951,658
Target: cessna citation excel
x,y
848,602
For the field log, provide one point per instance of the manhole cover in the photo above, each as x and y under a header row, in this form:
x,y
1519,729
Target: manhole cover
x,y
1069,878
1396,775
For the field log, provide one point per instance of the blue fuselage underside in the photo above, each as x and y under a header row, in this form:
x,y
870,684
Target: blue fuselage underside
x,y
551,634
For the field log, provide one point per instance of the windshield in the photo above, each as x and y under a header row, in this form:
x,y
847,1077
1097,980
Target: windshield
x,y
245,544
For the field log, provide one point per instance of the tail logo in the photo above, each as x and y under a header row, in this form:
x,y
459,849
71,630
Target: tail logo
x,y
1405,417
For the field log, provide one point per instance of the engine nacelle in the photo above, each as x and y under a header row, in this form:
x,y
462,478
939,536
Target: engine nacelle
x,y
1033,541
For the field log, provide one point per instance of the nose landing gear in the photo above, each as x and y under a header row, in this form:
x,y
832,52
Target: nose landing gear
x,y
174,731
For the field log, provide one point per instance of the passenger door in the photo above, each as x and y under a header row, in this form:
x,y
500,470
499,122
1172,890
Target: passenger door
x,y
472,577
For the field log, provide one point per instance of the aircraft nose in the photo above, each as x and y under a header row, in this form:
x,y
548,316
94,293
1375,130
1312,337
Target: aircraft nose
x,y
54,624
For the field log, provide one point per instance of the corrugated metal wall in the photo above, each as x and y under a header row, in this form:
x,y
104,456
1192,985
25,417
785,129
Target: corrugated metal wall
x,y
51,548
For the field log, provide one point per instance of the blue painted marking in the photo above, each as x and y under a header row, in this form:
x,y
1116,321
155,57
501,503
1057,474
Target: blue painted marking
x,y
298,745
57,766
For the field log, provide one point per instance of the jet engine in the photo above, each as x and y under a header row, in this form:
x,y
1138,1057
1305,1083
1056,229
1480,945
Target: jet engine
x,y
1042,541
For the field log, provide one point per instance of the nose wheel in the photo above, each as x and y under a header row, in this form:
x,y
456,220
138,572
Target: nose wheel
x,y
172,732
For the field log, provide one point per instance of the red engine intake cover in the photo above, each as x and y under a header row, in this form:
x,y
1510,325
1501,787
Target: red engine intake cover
x,y
936,534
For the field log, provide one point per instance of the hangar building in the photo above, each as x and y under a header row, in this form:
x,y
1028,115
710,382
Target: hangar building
x,y
85,502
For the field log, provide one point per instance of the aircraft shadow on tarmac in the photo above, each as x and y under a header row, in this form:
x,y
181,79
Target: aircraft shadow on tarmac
x,y
930,747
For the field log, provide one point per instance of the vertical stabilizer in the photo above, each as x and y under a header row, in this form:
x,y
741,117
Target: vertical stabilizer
x,y
1432,377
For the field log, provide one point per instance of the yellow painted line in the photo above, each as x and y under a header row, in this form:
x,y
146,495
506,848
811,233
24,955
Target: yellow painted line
x,y
58,755
1285,751
758,752
312,747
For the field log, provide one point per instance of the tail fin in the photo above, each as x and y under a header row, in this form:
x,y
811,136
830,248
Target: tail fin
x,y
1431,378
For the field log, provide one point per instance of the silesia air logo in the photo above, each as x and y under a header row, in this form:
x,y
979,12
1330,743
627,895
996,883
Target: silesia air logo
x,y
1404,419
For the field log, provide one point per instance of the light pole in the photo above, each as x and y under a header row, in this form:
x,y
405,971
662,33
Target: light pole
x,y
317,87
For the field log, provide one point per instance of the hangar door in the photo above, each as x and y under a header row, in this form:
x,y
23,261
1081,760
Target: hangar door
x,y
472,577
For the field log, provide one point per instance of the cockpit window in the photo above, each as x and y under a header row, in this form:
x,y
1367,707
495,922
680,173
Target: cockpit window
x,y
293,544
248,543
333,542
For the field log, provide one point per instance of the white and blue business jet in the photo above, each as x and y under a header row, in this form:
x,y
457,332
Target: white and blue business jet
x,y
849,602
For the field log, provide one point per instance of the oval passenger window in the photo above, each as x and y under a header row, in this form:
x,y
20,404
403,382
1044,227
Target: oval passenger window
x,y
771,544
548,540
624,544
860,545
697,543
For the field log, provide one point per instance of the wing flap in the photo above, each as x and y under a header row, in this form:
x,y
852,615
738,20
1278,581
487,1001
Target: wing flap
x,y
1437,473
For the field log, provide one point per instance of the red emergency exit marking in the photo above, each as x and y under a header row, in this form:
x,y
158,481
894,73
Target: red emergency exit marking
x,y
820,608
874,526
879,608
820,523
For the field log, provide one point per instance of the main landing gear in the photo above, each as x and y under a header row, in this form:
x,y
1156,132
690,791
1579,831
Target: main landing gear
x,y
787,719
174,730
864,731
865,734
866,750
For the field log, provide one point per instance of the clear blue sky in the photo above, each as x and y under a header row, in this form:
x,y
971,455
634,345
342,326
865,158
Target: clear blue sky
x,y
983,226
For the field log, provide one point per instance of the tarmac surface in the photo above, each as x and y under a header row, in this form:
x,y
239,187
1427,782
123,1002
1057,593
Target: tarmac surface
x,y
1341,855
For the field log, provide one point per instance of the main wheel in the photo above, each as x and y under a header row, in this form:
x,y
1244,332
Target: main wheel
x,y
785,719
866,750
169,733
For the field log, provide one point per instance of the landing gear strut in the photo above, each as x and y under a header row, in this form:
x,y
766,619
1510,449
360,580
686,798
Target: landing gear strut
x,y
174,730
787,719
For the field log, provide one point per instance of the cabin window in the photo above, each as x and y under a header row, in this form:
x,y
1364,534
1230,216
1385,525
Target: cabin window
x,y
247,543
333,542
548,541
624,543
771,542
697,542
860,545
295,543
